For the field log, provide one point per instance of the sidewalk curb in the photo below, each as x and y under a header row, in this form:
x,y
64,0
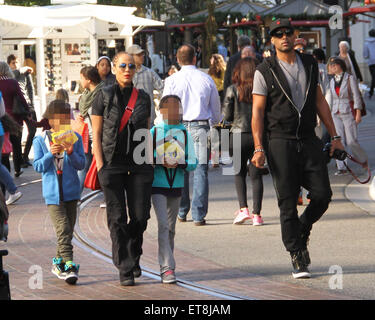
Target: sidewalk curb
x,y
362,195
372,187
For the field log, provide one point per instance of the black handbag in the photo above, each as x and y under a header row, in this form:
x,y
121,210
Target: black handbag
x,y
19,109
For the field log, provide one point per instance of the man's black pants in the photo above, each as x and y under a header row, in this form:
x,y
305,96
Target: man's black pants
x,y
31,128
294,164
126,223
372,71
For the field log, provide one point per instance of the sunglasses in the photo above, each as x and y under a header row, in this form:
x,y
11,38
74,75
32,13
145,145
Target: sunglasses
x,y
130,65
280,34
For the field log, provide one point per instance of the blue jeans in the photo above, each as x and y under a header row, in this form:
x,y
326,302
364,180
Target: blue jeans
x,y
5,177
199,204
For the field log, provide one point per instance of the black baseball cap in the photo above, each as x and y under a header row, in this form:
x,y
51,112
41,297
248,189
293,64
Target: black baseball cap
x,y
280,23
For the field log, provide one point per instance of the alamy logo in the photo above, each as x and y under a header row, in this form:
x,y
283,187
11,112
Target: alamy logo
x,y
336,21
36,280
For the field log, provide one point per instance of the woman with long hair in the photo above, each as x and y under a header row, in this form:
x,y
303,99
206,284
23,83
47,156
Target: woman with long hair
x,y
104,67
217,71
344,91
11,90
237,109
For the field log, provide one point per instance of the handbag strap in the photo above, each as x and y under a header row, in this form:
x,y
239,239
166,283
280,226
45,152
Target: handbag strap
x,y
350,89
129,109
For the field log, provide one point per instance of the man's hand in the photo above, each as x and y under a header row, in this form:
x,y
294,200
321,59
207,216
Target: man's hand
x,y
258,159
336,144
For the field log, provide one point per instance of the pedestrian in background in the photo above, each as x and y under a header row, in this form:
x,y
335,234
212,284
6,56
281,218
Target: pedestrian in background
x,y
91,83
11,90
58,163
237,109
369,55
5,177
344,91
242,42
217,72
145,78
25,81
201,108
348,55
104,66
169,178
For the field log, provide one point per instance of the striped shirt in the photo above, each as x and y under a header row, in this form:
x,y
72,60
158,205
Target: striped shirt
x,y
148,80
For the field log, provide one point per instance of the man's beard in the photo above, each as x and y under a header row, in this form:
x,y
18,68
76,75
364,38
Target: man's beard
x,y
286,50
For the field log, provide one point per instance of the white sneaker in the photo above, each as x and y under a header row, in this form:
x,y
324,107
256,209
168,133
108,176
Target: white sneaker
x,y
13,198
103,205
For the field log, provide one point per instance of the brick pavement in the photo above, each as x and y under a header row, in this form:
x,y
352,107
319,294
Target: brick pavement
x,y
32,243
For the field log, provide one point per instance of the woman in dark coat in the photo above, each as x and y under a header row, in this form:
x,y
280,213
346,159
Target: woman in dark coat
x,y
10,89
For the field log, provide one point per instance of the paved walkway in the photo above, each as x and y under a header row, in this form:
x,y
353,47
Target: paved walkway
x,y
243,260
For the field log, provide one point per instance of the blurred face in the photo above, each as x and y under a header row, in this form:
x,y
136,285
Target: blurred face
x,y
124,70
139,58
171,111
283,40
85,83
104,68
14,64
60,122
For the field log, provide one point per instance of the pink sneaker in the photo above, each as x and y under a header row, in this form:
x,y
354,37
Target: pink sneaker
x,y
257,220
242,216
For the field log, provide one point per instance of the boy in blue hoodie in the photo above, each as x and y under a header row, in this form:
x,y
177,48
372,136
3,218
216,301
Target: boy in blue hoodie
x,y
173,153
58,163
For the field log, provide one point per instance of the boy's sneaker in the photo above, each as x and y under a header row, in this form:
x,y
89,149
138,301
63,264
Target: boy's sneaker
x,y
300,264
13,198
58,268
257,220
168,277
71,270
242,216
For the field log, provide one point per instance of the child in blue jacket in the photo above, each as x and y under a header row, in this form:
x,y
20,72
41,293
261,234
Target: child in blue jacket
x,y
58,164
173,153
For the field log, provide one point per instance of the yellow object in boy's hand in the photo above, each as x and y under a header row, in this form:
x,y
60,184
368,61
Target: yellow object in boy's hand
x,y
64,137
171,151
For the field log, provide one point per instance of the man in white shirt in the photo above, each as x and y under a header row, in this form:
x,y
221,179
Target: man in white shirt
x,y
201,107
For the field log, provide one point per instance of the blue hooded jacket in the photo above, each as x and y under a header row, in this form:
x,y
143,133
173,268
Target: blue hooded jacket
x,y
44,163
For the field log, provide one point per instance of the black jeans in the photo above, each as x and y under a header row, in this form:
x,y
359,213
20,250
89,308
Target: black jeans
x,y
124,189
372,71
17,152
294,164
245,151
31,128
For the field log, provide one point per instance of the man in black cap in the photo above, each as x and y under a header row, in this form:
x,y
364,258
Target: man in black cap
x,y
286,101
